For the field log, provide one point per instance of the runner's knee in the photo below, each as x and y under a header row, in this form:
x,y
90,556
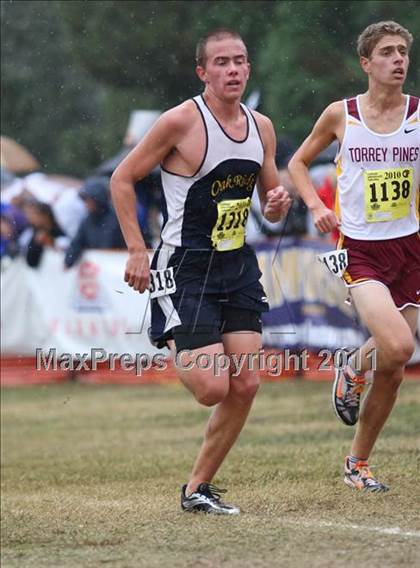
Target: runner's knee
x,y
399,351
244,388
211,394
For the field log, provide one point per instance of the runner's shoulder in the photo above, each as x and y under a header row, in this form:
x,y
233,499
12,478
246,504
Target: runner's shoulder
x,y
265,128
181,117
334,112
263,122
331,121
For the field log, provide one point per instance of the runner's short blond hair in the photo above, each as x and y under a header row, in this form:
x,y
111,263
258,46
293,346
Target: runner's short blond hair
x,y
372,34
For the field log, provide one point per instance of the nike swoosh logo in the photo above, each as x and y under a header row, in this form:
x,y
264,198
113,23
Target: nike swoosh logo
x,y
408,131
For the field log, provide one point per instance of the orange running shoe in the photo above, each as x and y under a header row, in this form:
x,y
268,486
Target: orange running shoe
x,y
347,390
360,477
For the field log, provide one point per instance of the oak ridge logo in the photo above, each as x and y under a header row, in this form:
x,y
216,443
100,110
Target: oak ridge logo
x,y
233,181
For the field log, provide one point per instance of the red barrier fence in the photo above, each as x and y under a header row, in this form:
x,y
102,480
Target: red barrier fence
x,y
21,371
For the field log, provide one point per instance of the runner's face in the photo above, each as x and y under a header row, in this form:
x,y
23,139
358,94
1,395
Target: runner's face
x,y
227,69
388,63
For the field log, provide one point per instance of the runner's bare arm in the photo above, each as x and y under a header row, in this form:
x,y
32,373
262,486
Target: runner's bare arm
x,y
326,129
150,151
275,200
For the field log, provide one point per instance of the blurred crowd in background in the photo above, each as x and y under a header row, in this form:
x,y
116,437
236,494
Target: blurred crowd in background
x,y
73,71
40,211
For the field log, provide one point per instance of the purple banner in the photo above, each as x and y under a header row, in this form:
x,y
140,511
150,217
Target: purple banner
x,y
307,303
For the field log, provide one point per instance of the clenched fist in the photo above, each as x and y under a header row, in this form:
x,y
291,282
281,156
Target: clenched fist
x,y
137,271
277,204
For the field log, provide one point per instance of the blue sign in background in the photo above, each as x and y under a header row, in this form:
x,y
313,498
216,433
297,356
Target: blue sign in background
x,y
308,308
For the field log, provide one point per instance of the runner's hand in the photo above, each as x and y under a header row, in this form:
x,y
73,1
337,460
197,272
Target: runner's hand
x,y
277,204
325,219
137,271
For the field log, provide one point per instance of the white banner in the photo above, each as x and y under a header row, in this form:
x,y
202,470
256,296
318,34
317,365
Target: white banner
x,y
91,307
74,311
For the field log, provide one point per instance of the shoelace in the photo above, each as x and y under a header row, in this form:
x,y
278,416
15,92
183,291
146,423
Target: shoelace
x,y
215,492
355,390
365,473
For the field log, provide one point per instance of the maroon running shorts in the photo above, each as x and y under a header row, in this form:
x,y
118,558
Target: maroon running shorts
x,y
393,262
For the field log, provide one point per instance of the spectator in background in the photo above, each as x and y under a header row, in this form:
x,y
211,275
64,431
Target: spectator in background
x,y
8,244
69,210
327,191
13,223
148,198
44,231
6,178
149,202
324,177
296,221
100,229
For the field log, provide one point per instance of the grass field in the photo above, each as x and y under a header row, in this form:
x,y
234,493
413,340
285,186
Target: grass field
x,y
91,477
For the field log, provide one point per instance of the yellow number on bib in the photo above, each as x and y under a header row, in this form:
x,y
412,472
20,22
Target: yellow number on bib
x,y
387,194
229,231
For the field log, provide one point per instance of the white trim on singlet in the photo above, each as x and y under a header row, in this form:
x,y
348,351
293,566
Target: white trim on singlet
x,y
341,145
205,150
221,127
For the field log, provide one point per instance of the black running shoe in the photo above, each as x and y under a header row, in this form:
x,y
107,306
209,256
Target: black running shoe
x,y
206,498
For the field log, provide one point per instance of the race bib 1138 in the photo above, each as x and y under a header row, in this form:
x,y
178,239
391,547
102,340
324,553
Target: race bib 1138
x,y
336,261
387,194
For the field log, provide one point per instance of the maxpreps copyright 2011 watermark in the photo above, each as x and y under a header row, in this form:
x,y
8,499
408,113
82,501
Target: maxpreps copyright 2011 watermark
x,y
274,364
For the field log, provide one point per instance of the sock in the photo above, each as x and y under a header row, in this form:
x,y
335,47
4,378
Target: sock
x,y
353,460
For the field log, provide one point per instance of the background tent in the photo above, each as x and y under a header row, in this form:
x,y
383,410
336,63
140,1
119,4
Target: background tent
x,y
139,123
16,158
